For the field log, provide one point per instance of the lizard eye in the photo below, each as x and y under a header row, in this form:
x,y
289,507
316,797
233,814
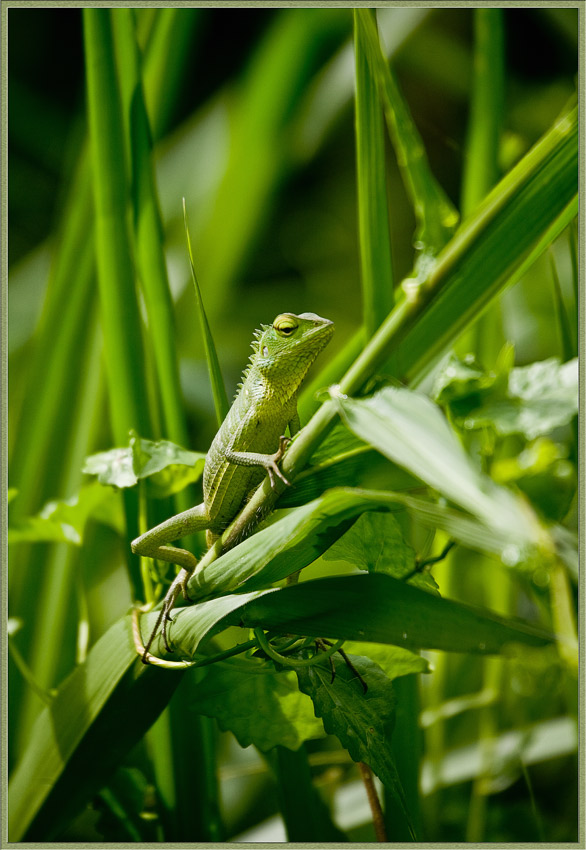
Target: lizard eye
x,y
285,325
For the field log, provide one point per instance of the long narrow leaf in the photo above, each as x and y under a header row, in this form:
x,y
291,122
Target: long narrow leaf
x,y
481,168
373,607
435,214
217,382
119,308
373,216
150,257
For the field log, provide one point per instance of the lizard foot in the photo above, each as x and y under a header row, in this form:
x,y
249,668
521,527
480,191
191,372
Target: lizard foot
x,y
272,467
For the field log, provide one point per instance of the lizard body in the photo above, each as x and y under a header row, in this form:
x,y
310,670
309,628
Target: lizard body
x,y
248,444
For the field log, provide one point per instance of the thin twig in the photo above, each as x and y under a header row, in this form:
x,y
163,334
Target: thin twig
x,y
374,802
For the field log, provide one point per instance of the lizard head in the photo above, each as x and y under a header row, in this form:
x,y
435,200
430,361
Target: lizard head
x,y
287,348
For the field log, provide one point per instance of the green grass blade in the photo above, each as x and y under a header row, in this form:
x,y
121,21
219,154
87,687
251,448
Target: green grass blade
x,y
221,404
165,56
69,304
48,638
567,345
102,700
436,217
373,217
150,258
481,159
119,308
481,169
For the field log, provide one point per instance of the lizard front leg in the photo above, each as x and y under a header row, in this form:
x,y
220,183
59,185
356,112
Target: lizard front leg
x,y
154,544
268,462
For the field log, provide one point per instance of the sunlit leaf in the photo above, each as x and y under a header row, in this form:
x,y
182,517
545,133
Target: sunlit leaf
x,y
372,607
170,467
375,543
64,521
410,430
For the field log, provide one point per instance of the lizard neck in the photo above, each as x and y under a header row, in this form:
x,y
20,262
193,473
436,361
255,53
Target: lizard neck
x,y
278,389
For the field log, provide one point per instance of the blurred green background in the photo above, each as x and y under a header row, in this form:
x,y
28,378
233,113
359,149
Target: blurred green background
x,y
255,128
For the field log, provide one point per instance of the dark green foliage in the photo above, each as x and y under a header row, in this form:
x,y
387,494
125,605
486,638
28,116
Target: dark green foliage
x,y
433,513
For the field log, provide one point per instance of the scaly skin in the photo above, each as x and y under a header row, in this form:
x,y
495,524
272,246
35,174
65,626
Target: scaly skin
x,y
249,444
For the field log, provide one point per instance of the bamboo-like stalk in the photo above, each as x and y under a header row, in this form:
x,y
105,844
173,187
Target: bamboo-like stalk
x,y
552,161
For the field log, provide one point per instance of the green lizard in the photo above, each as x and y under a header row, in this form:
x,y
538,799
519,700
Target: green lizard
x,y
249,443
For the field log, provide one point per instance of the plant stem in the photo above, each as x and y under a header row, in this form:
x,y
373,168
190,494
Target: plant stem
x,y
374,802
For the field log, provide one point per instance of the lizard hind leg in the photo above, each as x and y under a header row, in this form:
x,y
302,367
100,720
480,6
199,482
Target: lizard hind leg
x,y
155,544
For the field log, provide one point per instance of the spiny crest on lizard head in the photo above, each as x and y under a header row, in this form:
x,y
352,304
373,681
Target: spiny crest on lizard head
x,y
292,340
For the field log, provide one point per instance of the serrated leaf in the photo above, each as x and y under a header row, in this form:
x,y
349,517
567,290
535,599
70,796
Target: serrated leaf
x,y
362,722
64,521
542,396
375,544
257,704
168,466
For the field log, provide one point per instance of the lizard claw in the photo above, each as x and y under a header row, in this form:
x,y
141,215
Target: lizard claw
x,y
272,468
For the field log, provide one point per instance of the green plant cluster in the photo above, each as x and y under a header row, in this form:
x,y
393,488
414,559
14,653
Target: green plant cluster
x,y
432,634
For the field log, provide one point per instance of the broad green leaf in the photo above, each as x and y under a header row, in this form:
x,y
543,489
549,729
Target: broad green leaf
x,y
375,543
292,540
411,430
168,466
393,660
258,704
65,521
296,537
113,467
93,705
463,385
373,607
542,396
363,722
